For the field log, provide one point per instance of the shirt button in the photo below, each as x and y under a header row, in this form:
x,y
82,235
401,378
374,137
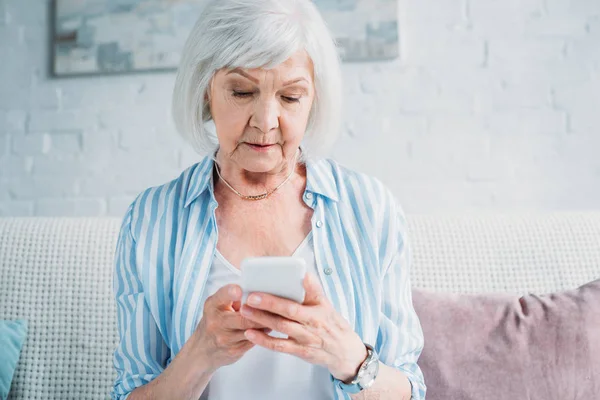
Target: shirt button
x,y
319,224
308,196
328,271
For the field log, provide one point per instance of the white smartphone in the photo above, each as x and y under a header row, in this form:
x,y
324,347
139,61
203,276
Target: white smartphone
x,y
279,276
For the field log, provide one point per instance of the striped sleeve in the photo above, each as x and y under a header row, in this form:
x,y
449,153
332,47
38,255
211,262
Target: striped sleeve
x,y
137,358
400,339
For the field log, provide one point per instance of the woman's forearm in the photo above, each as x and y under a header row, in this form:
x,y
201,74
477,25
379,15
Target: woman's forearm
x,y
183,379
389,383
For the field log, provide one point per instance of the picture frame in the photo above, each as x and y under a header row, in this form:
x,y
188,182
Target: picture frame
x,y
93,37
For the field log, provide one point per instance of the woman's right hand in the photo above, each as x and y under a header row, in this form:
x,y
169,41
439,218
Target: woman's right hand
x,y
220,333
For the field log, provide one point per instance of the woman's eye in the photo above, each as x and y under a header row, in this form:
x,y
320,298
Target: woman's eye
x,y
291,99
242,94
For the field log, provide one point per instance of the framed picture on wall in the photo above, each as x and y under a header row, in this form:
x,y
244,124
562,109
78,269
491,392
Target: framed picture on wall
x,y
118,36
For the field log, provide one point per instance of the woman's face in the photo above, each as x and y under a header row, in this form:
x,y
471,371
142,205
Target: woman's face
x,y
261,115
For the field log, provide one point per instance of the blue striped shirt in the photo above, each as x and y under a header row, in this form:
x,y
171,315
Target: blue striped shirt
x,y
168,239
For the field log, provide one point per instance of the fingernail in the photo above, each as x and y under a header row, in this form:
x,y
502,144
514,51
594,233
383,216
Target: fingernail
x,y
232,291
254,300
250,335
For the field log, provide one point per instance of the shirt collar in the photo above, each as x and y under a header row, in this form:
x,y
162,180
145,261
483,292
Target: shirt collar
x,y
319,179
200,179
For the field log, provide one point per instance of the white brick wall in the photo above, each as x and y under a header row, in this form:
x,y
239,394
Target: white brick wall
x,y
492,105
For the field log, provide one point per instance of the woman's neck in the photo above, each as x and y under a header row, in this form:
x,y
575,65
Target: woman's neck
x,y
254,183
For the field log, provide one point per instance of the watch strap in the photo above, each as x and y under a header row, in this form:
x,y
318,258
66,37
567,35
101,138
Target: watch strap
x,y
354,386
351,388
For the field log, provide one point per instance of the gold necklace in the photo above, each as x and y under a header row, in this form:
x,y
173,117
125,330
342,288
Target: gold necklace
x,y
257,196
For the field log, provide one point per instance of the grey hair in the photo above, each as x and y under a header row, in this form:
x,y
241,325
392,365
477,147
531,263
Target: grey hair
x,y
257,34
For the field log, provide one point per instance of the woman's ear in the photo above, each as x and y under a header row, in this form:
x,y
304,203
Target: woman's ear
x,y
207,104
207,94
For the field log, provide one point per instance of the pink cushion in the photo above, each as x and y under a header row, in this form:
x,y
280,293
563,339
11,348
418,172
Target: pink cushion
x,y
499,346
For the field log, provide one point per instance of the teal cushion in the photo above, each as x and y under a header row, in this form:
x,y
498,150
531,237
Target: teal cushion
x,y
12,337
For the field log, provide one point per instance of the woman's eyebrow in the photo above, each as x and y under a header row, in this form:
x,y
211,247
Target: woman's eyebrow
x,y
242,73
245,75
290,82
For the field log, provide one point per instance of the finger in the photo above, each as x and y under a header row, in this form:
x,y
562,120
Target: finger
x,y
239,347
288,346
314,291
236,322
244,346
277,323
235,338
289,309
225,297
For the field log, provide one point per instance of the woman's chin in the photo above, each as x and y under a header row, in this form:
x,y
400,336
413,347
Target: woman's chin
x,y
261,163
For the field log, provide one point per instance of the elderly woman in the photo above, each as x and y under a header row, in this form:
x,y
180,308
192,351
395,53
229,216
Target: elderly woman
x,y
267,74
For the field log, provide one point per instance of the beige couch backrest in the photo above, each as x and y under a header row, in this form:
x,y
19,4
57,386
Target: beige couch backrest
x,y
57,274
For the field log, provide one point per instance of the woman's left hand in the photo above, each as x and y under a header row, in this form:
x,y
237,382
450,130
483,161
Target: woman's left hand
x,y
316,332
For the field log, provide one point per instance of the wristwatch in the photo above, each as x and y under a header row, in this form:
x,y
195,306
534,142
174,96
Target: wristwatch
x,y
366,374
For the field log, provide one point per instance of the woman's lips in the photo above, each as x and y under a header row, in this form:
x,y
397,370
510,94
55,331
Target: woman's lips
x,y
259,147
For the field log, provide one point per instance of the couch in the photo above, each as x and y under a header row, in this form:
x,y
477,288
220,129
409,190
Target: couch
x,y
57,274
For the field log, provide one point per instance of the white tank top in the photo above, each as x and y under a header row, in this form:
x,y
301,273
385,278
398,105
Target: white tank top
x,y
262,373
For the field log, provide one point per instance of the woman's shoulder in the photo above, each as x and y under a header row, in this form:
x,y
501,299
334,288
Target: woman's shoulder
x,y
368,200
352,185
153,202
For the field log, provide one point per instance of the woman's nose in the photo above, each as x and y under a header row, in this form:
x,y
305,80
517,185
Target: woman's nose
x,y
266,115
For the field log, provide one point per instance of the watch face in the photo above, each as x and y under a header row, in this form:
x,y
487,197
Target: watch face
x,y
368,375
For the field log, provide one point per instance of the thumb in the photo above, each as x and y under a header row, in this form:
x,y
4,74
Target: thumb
x,y
226,296
314,292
